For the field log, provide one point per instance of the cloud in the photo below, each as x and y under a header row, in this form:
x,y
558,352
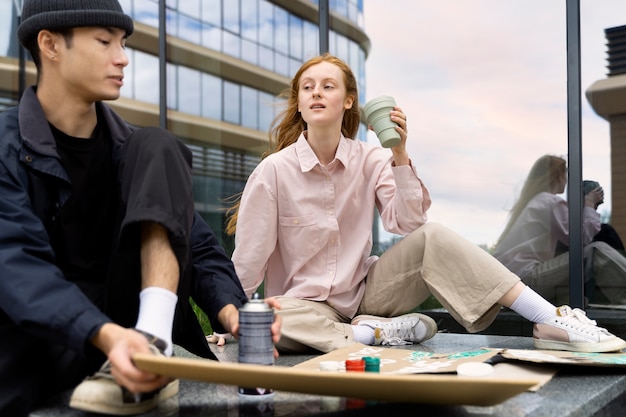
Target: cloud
x,y
484,87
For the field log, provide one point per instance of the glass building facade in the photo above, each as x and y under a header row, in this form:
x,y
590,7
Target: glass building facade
x,y
227,61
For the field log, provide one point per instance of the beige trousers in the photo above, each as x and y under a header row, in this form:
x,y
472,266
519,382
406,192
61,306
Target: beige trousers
x,y
433,259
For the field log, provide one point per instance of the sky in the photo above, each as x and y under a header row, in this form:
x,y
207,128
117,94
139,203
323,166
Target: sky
x,y
484,87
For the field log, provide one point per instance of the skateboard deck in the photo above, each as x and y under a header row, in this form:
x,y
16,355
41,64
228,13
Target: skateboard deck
x,y
441,389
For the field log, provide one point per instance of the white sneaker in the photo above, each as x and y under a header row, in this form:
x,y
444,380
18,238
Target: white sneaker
x,y
401,330
572,330
100,393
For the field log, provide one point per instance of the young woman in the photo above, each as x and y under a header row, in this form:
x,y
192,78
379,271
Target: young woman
x,y
539,223
304,225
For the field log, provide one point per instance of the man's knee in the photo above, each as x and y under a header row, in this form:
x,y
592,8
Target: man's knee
x,y
157,142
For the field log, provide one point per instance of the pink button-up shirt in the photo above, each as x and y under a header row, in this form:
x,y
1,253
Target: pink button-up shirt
x,y
307,228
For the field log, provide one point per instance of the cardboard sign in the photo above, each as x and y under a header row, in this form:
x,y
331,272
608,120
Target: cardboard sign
x,y
440,389
403,361
557,357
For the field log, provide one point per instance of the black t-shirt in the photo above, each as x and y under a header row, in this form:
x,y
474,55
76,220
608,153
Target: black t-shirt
x,y
82,236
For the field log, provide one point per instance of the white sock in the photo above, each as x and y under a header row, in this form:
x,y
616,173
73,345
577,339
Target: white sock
x,y
363,334
156,314
533,307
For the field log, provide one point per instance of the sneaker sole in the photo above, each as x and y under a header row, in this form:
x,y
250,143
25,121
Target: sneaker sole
x,y
608,346
168,391
431,325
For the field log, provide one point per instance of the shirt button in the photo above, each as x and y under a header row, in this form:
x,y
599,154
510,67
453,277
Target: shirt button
x,y
296,222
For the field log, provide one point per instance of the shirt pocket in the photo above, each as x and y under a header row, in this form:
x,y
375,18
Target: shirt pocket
x,y
300,236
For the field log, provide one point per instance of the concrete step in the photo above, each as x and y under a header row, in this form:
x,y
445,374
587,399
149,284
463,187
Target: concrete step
x,y
509,323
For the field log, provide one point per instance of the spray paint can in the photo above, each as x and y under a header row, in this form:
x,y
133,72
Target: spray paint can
x,y
255,338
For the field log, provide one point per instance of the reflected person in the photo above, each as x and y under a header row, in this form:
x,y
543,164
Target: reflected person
x,y
539,223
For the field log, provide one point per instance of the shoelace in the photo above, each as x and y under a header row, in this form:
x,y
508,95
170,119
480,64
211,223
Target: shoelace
x,y
103,372
105,369
401,331
578,320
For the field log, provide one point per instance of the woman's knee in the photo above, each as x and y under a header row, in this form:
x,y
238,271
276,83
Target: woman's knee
x,y
432,231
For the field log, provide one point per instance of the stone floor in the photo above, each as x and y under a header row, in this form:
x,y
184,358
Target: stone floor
x,y
574,391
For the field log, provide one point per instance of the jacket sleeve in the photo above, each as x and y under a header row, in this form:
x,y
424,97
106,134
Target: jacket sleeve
x,y
34,294
215,283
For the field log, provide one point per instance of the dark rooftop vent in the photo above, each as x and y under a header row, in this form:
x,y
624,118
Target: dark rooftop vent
x,y
616,42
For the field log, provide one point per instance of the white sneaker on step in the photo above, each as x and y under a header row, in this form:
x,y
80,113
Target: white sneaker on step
x,y
400,330
571,330
100,393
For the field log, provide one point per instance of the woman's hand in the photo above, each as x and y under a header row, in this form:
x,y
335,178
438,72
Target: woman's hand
x,y
400,155
594,198
229,318
273,303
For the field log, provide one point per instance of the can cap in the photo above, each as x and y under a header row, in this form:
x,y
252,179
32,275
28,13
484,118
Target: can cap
x,y
355,365
372,364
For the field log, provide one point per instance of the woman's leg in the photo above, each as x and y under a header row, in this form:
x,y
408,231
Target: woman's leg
x,y
433,259
311,325
550,279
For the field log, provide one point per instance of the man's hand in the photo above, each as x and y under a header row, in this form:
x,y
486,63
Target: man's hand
x,y
119,344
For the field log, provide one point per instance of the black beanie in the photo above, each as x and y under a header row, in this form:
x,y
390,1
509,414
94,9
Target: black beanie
x,y
63,14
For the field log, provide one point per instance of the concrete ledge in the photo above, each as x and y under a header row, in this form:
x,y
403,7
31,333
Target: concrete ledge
x,y
509,323
573,392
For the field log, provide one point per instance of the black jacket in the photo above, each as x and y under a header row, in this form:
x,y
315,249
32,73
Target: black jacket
x,y
34,294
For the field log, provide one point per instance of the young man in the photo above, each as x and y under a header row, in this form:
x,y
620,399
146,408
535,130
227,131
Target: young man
x,y
100,246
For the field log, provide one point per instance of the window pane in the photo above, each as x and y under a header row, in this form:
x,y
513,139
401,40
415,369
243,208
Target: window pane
x,y
266,23
190,8
342,47
311,40
232,102
172,86
249,51
295,37
189,93
212,37
294,65
266,58
231,44
231,15
211,97
146,70
282,64
250,19
171,25
249,107
189,29
281,31
266,111
212,12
